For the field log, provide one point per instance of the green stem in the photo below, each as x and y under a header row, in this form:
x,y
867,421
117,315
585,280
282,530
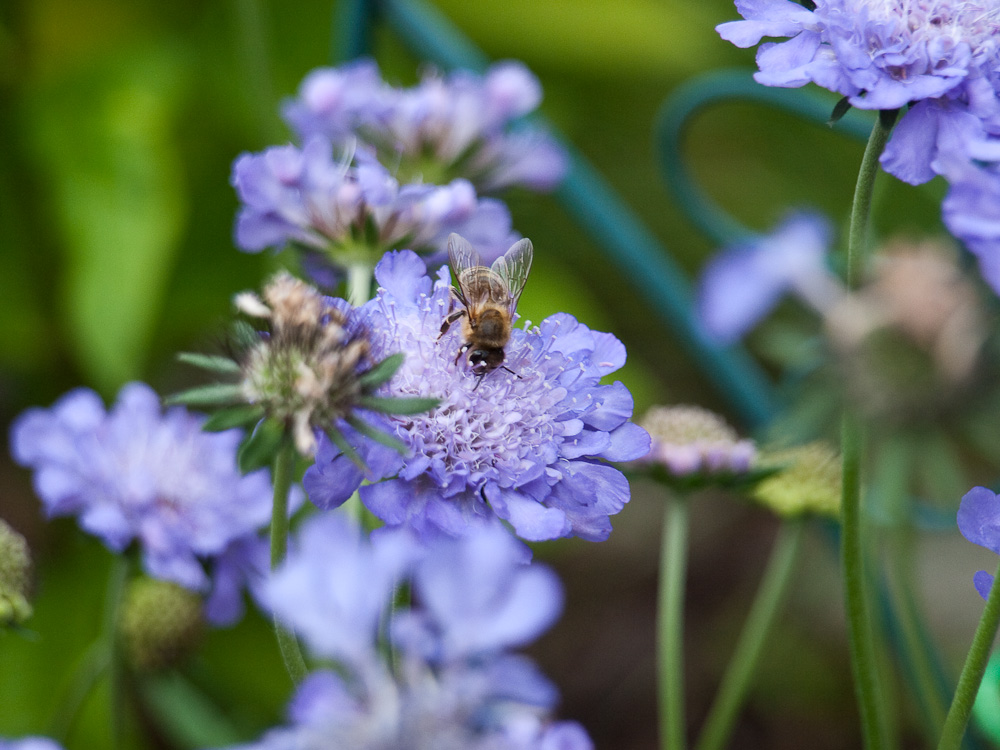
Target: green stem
x,y
743,664
972,672
284,464
359,283
862,640
673,563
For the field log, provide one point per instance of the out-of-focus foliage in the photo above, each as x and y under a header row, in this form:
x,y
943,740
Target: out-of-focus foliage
x,y
119,120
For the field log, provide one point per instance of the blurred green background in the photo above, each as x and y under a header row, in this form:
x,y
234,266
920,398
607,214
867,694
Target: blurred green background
x,y
119,122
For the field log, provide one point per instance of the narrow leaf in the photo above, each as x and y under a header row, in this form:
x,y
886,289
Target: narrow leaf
x,y
215,394
377,435
213,363
346,448
840,109
244,335
236,416
398,405
260,448
382,372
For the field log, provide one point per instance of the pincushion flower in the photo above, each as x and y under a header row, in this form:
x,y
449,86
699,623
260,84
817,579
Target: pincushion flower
x,y
970,213
136,473
940,56
452,683
528,446
349,212
30,743
445,127
979,522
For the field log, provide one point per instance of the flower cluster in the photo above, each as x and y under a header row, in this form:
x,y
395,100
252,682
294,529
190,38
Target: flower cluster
x,y
350,211
445,127
136,473
15,569
528,446
451,683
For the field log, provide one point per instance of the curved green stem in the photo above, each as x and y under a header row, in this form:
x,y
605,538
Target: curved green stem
x,y
972,672
673,564
283,465
864,664
743,664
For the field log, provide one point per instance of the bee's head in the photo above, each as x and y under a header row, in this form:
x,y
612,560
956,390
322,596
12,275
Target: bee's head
x,y
483,361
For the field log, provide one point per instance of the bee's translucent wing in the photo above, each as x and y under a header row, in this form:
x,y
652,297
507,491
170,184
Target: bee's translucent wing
x,y
512,267
463,257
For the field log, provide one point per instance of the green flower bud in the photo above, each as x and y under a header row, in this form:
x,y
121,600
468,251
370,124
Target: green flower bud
x,y
808,482
160,623
15,570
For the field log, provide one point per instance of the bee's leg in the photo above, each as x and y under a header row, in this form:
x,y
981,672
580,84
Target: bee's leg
x,y
461,351
479,380
452,317
511,372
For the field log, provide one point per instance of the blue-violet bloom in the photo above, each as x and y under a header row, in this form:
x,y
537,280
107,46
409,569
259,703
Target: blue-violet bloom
x,y
740,285
459,125
528,446
451,683
939,57
970,211
979,522
139,473
30,743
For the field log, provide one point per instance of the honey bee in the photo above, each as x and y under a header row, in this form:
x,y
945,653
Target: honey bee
x,y
489,297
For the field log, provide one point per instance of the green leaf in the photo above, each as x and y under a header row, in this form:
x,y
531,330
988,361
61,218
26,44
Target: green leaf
x,y
840,109
377,435
382,372
235,416
338,439
244,335
214,394
185,714
398,405
212,363
260,448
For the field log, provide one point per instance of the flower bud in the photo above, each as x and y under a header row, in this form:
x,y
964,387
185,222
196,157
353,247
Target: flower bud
x,y
809,481
15,569
160,623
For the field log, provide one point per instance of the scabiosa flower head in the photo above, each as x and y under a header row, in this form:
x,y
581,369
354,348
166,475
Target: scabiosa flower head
x,y
808,481
527,446
15,569
445,127
970,212
138,473
979,522
691,444
30,743
341,214
451,684
160,623
942,56
740,285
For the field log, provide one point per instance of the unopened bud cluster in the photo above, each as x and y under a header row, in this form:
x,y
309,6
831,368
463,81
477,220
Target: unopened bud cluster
x,y
305,372
691,440
808,481
160,623
15,568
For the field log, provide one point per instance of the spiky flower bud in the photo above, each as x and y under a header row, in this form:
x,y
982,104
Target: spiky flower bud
x,y
160,623
15,569
694,446
809,481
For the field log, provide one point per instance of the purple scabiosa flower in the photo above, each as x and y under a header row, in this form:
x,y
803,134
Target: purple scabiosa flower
x,y
30,743
451,684
740,285
970,213
528,446
445,127
941,56
138,473
694,445
342,215
979,522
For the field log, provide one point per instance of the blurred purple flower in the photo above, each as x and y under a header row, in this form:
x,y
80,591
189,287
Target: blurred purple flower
x,y
136,473
444,127
979,522
30,743
689,442
971,213
331,208
528,447
740,285
451,684
941,56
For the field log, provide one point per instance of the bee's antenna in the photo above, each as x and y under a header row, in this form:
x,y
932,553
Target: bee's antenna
x,y
511,372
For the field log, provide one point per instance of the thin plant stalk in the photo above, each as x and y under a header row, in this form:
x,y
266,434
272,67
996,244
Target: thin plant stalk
x,y
670,618
864,662
728,701
359,283
284,464
972,672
